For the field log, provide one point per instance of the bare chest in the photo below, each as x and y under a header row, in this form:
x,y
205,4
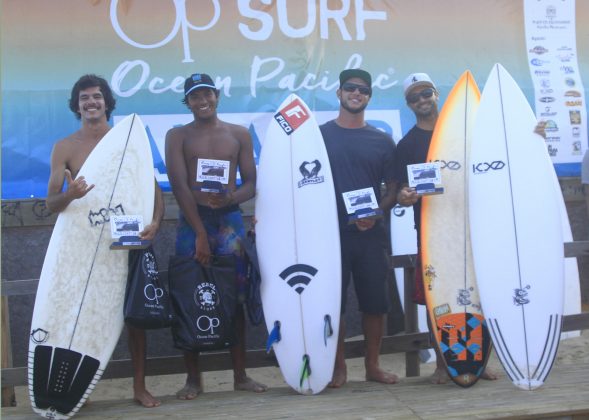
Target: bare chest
x,y
211,146
77,156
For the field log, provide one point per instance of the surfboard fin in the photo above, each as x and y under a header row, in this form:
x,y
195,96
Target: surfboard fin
x,y
327,329
274,336
306,370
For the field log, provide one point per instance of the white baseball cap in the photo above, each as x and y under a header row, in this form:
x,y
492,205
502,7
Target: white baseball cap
x,y
417,79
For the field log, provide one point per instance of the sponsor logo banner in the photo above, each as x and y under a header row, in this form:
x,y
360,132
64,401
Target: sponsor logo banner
x,y
551,44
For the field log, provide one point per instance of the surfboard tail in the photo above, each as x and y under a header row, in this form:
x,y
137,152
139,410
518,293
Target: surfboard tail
x,y
61,380
465,344
530,373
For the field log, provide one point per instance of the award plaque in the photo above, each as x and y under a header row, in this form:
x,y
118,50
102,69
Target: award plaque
x,y
125,230
213,175
361,204
426,178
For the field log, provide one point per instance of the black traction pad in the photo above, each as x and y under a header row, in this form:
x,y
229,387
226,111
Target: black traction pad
x,y
59,379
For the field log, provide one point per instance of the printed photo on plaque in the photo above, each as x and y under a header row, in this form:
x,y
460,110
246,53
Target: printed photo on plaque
x,y
426,178
359,200
424,173
213,170
125,225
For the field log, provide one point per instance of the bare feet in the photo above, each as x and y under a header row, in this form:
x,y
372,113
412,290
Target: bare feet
x,y
489,375
248,384
339,378
146,399
379,375
439,377
189,392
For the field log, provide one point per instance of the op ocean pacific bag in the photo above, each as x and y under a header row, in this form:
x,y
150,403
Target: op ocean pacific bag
x,y
204,299
147,301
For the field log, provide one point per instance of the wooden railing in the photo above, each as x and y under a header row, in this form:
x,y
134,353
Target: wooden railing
x,y
410,342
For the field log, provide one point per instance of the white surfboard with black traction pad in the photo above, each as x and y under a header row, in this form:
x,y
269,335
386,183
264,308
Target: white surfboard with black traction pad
x,y
78,314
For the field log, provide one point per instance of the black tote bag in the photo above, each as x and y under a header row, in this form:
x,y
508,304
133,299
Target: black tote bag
x,y
204,300
147,301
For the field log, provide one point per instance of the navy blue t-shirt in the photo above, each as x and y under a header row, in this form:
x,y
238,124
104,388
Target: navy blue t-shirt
x,y
359,158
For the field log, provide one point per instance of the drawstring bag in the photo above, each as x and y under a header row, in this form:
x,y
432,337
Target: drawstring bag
x,y
204,299
147,302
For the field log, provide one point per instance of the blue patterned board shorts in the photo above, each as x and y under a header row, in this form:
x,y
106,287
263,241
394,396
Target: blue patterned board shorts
x,y
225,232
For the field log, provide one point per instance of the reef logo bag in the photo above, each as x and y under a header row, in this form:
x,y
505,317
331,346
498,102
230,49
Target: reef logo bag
x,y
204,299
147,301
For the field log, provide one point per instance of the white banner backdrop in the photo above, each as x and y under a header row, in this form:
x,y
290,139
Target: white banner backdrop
x,y
559,93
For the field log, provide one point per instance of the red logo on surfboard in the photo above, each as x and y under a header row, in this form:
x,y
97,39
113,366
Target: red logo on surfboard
x,y
292,116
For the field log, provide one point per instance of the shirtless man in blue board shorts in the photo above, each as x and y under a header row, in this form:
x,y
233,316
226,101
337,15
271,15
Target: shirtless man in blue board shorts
x,y
92,101
211,223
361,156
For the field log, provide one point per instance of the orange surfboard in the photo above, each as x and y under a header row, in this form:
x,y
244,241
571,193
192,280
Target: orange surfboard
x,y
452,297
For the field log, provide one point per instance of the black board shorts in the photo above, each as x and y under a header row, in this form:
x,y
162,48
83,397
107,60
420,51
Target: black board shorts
x,y
365,259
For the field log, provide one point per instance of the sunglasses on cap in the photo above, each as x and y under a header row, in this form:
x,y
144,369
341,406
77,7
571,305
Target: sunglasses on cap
x,y
425,93
351,87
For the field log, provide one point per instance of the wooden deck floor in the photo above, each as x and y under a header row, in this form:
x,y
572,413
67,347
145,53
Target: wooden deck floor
x,y
564,396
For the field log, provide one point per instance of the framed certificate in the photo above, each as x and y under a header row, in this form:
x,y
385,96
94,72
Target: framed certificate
x,y
361,204
426,178
212,174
